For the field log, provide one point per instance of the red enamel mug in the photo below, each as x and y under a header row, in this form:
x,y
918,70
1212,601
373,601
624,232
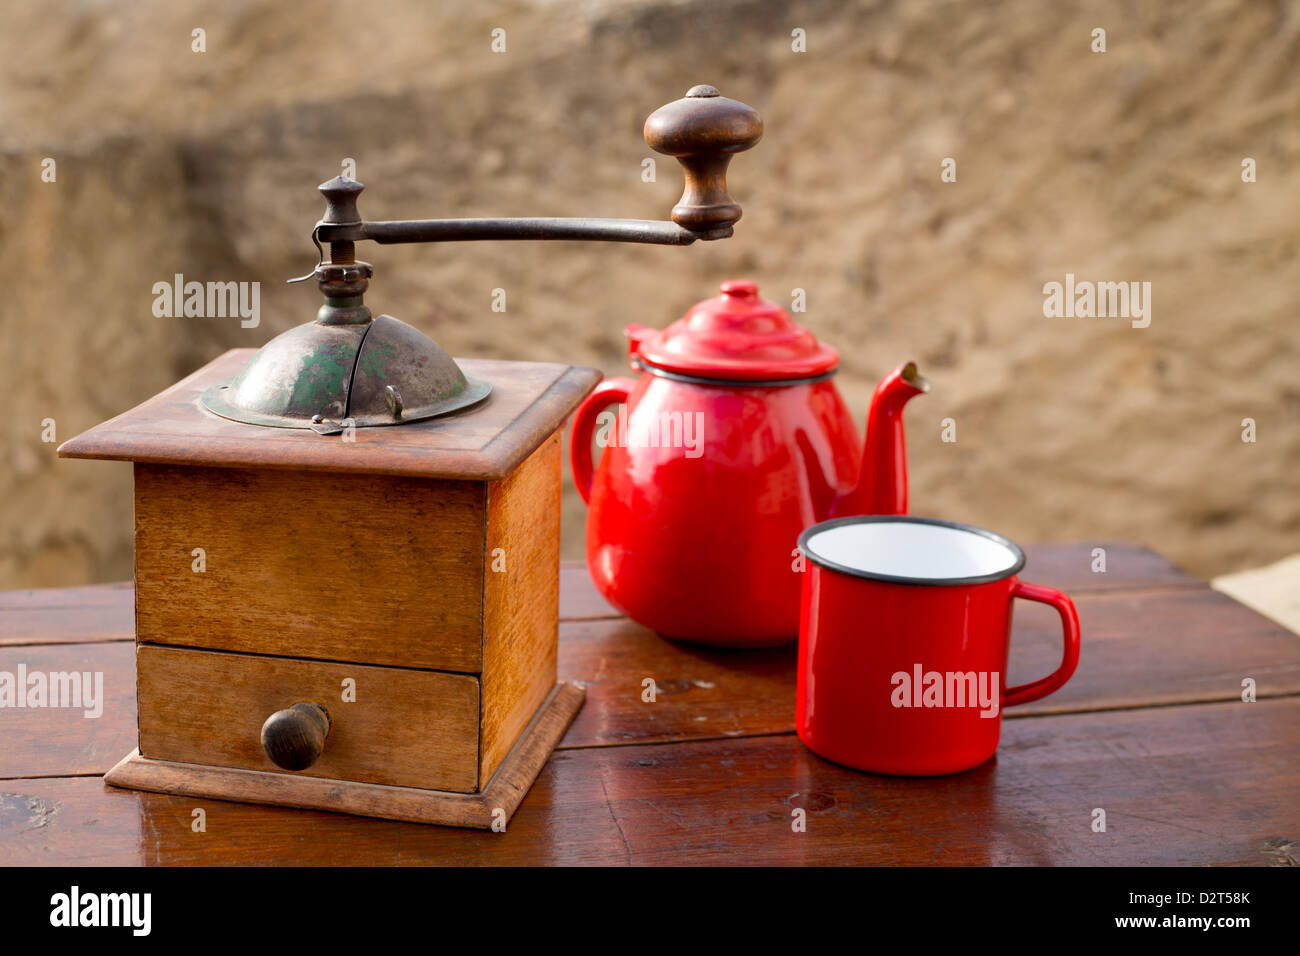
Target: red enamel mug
x,y
905,626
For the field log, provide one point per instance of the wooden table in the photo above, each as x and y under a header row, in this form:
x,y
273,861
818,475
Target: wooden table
x,y
1152,729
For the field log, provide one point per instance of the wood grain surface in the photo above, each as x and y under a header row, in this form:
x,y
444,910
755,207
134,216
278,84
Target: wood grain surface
x,y
405,728
97,612
529,401
312,564
54,741
521,599
1203,783
1147,645
1152,729
1139,648
493,806
104,611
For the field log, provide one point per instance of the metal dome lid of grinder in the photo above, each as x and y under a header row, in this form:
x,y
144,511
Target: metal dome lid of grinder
x,y
347,368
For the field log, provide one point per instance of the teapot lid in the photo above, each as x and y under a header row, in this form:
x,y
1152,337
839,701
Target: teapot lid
x,y
736,336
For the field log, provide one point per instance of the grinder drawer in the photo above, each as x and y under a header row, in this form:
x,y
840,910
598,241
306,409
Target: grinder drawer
x,y
407,728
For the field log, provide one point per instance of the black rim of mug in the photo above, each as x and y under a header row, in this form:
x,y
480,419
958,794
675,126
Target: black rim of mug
x,y
817,559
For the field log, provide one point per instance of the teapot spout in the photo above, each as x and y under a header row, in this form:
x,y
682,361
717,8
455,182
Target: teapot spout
x,y
882,482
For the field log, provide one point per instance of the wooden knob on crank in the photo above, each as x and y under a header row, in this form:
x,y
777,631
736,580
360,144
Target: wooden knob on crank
x,y
703,131
294,738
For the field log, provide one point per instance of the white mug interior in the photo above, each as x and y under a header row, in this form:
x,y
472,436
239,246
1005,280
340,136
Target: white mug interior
x,y
916,550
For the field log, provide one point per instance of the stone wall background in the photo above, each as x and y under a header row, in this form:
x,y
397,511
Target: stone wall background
x,y
1116,166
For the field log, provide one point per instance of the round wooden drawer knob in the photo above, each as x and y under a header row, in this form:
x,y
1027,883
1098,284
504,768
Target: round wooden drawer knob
x,y
294,738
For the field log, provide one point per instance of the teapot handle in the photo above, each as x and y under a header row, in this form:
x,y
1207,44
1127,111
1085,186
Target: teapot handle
x,y
609,392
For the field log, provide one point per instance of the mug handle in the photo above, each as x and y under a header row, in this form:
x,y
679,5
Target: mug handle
x,y
612,391
1024,693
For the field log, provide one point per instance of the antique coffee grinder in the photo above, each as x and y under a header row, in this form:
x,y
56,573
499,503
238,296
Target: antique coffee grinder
x,y
335,615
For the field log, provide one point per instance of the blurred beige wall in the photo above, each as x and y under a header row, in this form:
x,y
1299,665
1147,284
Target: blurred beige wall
x,y
1115,166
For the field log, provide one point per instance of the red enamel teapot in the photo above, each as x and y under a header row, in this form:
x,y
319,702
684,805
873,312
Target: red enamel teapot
x,y
731,443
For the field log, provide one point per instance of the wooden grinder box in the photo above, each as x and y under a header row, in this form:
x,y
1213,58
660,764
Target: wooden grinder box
x,y
405,580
